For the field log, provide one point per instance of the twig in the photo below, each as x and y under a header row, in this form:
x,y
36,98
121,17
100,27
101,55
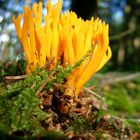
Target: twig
x,y
121,78
57,85
48,63
15,77
118,36
128,119
132,120
117,118
43,85
90,91
20,69
92,87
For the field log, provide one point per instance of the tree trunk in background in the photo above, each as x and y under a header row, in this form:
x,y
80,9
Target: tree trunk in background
x,y
84,8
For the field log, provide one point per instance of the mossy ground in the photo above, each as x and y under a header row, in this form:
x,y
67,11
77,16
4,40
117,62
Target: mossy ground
x,y
110,112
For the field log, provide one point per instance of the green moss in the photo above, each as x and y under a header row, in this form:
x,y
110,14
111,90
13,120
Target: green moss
x,y
19,106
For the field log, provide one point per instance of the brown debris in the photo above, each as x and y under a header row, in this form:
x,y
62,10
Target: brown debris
x,y
86,107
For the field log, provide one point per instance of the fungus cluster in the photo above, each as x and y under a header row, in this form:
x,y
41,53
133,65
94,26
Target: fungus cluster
x,y
64,37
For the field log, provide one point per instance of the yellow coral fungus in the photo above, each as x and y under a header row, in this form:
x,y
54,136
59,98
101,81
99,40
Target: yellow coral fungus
x,y
63,36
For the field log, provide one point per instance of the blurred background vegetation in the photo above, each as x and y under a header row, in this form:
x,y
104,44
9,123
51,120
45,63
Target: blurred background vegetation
x,y
119,81
123,16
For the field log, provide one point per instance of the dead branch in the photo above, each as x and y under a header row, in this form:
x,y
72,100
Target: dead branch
x,y
125,78
122,34
90,91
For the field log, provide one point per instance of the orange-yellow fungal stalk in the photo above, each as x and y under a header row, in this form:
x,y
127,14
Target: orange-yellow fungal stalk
x,y
63,36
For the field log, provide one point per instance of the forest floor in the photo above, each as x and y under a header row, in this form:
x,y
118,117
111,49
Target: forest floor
x,y
107,108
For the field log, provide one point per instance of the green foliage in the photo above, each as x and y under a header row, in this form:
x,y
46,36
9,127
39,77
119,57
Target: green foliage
x,y
51,135
118,100
20,107
123,98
